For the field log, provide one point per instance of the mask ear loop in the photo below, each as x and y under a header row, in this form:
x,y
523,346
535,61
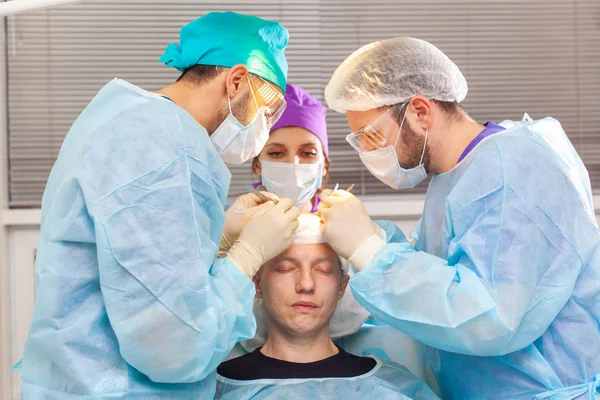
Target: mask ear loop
x,y
424,147
401,125
400,131
252,92
229,104
253,98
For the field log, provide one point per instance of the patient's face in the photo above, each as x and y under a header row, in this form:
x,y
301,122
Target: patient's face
x,y
301,288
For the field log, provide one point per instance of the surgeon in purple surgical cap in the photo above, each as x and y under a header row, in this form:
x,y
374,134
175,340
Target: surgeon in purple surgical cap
x,y
294,163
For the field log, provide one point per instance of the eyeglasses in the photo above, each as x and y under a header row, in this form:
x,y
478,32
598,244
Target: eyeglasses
x,y
273,100
377,134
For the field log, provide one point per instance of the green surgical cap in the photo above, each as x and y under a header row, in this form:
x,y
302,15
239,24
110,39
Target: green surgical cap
x,y
227,39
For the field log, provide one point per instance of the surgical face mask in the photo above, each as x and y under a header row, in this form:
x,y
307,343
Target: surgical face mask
x,y
237,143
383,164
298,182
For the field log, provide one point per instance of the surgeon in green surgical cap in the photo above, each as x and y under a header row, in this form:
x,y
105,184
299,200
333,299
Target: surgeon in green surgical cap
x,y
132,301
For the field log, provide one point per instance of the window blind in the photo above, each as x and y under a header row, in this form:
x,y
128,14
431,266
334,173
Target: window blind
x,y
541,57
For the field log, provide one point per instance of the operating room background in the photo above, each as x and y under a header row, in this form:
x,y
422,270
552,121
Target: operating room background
x,y
540,56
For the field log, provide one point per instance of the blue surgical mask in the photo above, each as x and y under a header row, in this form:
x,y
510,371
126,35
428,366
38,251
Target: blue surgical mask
x,y
298,182
383,164
237,143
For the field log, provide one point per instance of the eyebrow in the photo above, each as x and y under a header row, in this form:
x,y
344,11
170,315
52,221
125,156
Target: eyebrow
x,y
297,261
321,259
284,145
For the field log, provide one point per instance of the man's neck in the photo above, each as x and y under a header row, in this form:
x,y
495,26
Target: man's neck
x,y
200,102
296,349
453,143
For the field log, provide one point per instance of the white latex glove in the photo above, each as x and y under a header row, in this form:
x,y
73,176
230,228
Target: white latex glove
x,y
238,215
264,237
349,229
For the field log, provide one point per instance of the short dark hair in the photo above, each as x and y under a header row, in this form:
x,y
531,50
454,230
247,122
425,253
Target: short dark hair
x,y
451,108
199,75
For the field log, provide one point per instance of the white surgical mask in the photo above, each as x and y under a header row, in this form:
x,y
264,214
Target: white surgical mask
x,y
383,164
237,143
298,182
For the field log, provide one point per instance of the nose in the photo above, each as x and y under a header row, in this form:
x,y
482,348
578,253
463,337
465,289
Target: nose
x,y
305,281
288,158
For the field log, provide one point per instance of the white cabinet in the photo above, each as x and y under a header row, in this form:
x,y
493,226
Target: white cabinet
x,y
22,243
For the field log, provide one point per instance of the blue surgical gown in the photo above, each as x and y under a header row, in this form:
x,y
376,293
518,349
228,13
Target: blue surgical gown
x,y
386,381
131,302
503,283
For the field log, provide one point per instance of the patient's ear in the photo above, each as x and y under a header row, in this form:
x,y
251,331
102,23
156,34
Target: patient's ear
x,y
256,281
343,285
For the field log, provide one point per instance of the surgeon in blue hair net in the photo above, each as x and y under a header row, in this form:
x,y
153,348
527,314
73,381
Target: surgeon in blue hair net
x,y
503,282
132,301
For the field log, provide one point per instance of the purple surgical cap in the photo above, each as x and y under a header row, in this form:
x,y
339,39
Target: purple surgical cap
x,y
304,111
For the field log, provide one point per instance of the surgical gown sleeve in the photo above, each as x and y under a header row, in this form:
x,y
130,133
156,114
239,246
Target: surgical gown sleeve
x,y
508,273
392,234
175,309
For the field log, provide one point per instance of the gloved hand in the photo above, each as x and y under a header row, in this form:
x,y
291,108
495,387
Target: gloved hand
x,y
238,215
325,193
264,237
348,228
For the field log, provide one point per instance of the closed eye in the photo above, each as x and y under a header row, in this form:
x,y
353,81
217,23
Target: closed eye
x,y
285,266
323,267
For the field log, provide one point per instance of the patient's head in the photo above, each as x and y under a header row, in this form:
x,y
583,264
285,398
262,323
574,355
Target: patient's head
x,y
300,288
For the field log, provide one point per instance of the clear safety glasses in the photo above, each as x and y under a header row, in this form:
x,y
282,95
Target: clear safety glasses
x,y
380,133
271,98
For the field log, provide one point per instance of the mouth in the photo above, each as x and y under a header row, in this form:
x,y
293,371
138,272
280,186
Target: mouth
x,y
304,306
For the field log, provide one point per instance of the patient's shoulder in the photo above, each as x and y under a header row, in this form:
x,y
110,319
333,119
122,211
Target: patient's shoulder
x,y
241,368
350,365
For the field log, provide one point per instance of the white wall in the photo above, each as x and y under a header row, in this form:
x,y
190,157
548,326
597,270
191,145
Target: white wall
x,y
22,241
5,313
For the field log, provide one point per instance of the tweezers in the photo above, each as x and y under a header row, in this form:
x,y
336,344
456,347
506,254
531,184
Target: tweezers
x,y
337,186
264,196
